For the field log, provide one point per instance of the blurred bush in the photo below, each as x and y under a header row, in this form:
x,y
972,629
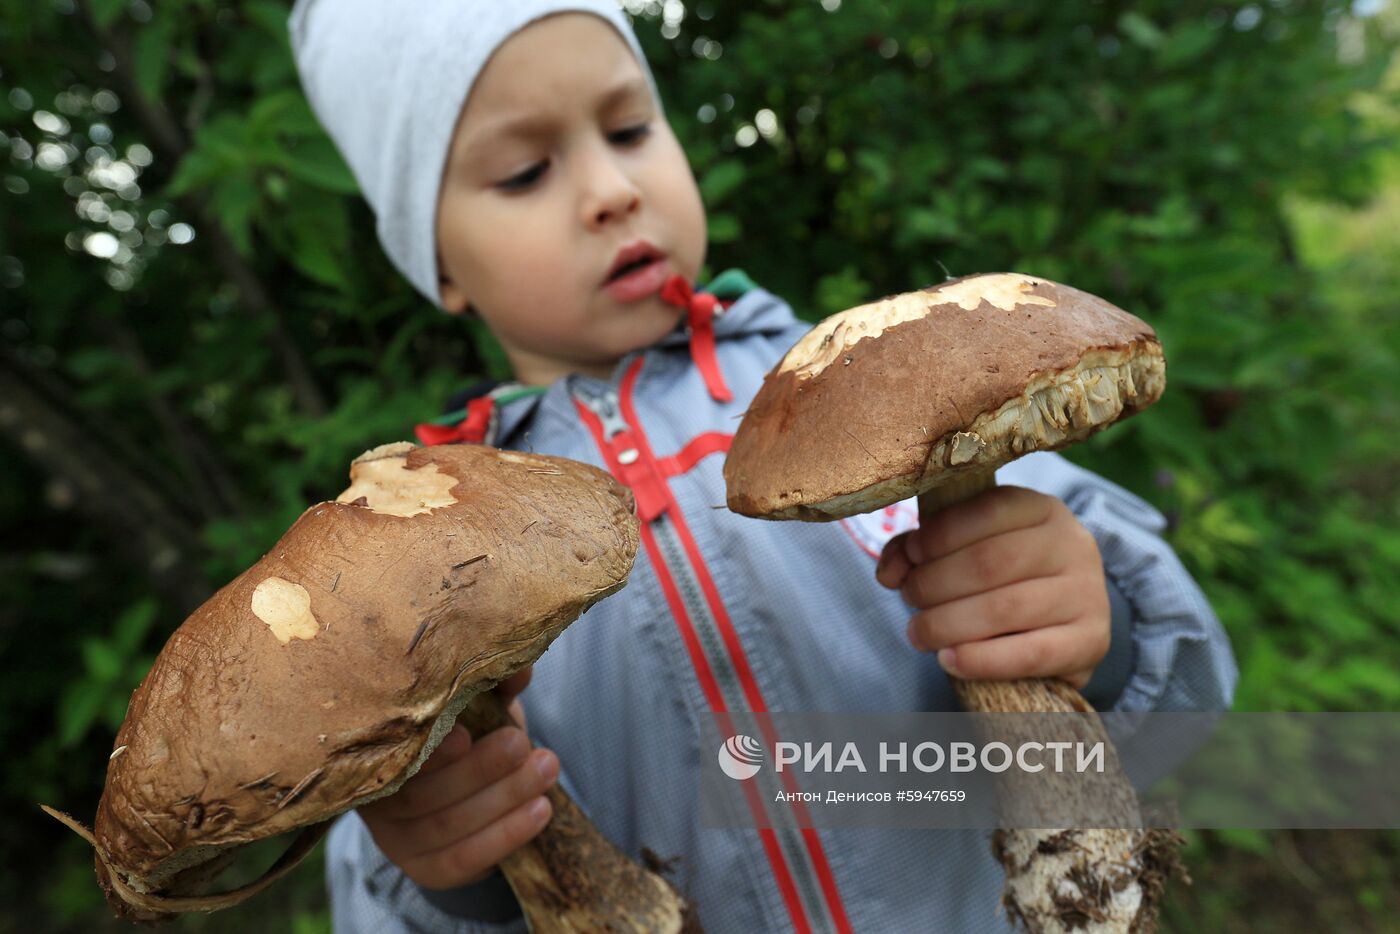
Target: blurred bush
x,y
198,328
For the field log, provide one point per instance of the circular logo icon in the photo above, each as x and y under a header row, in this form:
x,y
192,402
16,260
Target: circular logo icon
x,y
740,757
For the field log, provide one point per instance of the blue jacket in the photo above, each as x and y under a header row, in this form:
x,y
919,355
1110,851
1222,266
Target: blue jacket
x,y
778,616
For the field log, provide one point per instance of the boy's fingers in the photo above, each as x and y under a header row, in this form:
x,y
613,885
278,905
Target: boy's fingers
x,y
453,746
516,682
463,818
494,756
470,859
894,563
1013,608
984,515
517,712
1040,653
984,565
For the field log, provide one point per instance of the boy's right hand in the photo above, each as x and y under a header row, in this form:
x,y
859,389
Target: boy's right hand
x,y
471,804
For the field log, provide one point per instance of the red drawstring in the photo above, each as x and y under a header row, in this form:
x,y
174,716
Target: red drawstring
x,y
471,430
700,314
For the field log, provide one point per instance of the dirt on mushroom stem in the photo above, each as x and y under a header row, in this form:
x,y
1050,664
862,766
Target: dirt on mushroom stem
x,y
1064,880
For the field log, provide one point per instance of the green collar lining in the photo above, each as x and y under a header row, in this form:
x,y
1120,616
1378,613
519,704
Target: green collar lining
x,y
509,395
730,284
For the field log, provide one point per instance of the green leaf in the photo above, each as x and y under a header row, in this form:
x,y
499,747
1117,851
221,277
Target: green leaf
x,y
151,52
721,180
271,18
984,167
1035,227
315,258
234,200
131,627
840,290
1247,839
876,166
1141,30
197,169
724,228
77,712
105,12
311,923
924,224
98,363
1187,43
318,162
316,250
283,112
313,232
103,662
219,149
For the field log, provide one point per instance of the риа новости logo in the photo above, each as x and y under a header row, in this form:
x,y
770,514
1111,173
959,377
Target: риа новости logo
x,y
740,757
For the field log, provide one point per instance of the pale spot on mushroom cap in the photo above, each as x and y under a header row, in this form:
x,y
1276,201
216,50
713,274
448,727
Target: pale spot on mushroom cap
x,y
1057,408
1005,290
392,449
389,487
286,608
830,340
534,463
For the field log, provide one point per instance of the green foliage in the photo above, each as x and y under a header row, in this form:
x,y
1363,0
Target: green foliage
x,y
1226,170
111,664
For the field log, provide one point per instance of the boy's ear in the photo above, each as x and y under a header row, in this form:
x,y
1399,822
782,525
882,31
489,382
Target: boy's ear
x,y
454,299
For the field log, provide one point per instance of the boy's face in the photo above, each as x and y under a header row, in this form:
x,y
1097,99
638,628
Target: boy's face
x,y
560,161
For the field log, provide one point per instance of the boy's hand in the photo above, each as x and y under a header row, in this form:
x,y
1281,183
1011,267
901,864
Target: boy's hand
x,y
469,806
1007,584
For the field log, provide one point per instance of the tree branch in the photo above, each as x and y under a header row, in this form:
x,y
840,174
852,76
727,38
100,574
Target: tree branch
x,y
134,516
204,472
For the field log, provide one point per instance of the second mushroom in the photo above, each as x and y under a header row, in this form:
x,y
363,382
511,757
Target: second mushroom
x,y
926,394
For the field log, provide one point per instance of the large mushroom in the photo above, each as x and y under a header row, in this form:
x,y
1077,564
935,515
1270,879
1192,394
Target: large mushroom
x,y
926,394
323,676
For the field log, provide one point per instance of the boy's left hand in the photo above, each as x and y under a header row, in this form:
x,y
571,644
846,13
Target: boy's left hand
x,y
1007,585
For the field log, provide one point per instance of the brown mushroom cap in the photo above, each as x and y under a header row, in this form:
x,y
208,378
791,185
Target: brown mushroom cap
x,y
890,399
323,676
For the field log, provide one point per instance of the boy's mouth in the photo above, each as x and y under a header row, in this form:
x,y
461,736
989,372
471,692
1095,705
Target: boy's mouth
x,y
638,270
632,257
630,268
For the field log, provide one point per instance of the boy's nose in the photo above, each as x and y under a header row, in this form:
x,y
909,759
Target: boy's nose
x,y
610,193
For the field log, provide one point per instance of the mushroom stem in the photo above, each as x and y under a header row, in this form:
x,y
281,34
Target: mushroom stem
x,y
570,878
1087,879
1031,695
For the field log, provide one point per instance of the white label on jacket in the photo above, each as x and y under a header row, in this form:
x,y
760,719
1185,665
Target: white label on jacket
x,y
872,530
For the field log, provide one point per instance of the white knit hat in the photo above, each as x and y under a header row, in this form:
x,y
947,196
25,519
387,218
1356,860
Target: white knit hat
x,y
388,81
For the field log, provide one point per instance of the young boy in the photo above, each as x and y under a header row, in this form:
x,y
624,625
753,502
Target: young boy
x,y
521,169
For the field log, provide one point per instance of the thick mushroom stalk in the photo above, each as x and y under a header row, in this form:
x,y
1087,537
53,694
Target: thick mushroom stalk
x,y
322,677
926,394
570,878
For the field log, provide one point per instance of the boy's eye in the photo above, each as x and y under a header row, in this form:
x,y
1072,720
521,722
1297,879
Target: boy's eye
x,y
631,134
525,179
625,137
